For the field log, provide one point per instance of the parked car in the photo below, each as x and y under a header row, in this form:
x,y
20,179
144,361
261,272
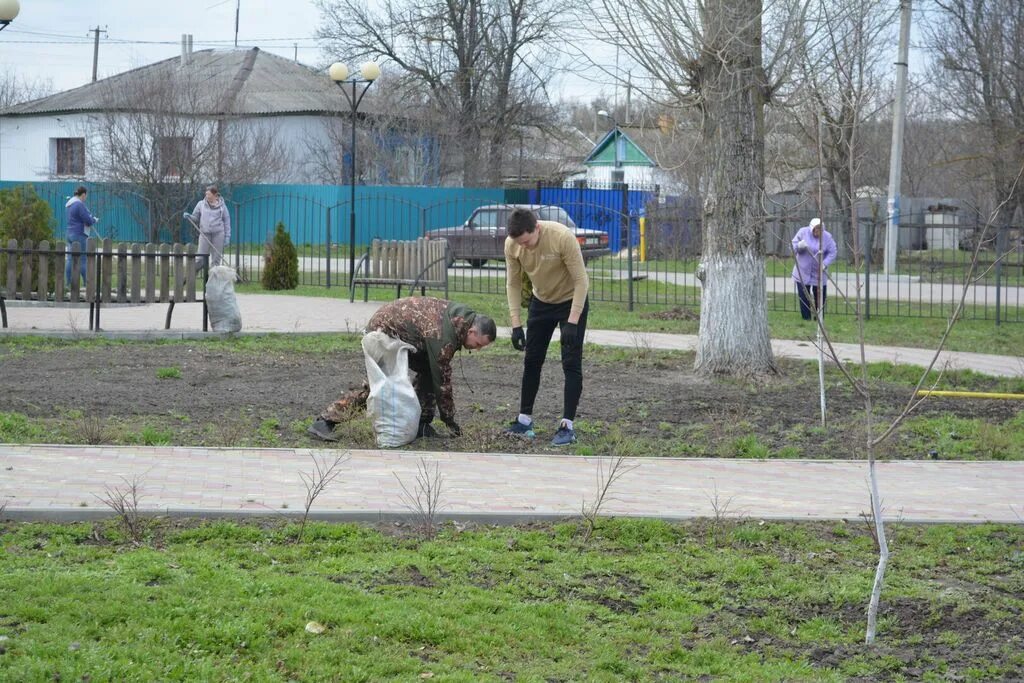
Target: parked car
x,y
482,237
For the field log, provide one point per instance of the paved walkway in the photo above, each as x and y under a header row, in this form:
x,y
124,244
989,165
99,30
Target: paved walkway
x,y
65,481
264,313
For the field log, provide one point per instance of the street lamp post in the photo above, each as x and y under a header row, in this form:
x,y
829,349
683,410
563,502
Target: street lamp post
x,y
8,11
368,73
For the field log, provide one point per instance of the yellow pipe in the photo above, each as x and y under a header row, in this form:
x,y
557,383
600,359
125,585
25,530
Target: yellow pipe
x,y
643,239
971,394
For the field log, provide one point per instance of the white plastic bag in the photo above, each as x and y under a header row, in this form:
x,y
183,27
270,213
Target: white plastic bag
x,y
392,402
221,301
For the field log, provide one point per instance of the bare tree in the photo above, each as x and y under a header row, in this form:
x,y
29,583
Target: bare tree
x,y
124,501
608,474
979,74
16,89
843,87
396,143
711,56
424,499
325,470
165,138
482,64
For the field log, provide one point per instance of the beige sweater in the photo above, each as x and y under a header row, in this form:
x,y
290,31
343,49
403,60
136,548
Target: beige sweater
x,y
555,267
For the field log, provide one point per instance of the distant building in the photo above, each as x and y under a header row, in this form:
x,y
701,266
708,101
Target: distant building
x,y
635,166
236,96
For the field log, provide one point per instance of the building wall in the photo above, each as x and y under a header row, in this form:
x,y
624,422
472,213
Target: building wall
x,y
25,149
635,176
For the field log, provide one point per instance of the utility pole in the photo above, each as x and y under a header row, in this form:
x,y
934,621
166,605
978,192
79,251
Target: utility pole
x,y
892,237
238,8
96,50
296,60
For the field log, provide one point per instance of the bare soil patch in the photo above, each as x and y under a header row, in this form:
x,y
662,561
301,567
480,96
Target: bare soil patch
x,y
638,401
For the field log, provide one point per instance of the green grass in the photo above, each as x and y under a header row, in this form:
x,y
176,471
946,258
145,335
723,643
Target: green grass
x,y
957,438
168,373
645,600
918,332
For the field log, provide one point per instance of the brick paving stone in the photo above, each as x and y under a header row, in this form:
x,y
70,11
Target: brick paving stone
x,y
260,480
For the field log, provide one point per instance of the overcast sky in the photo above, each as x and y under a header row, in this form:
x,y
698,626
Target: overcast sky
x,y
50,39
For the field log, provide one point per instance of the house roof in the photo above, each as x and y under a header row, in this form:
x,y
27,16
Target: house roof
x,y
238,82
630,153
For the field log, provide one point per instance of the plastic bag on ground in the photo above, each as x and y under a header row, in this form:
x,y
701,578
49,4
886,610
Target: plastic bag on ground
x,y
392,403
221,302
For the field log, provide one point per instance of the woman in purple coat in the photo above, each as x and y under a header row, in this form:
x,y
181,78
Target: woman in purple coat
x,y
811,244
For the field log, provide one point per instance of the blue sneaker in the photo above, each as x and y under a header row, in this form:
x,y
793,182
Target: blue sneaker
x,y
564,436
517,428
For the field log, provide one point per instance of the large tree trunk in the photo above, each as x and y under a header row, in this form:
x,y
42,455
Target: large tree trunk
x,y
734,336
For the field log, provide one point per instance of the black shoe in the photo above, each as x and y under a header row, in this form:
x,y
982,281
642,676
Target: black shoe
x,y
323,430
426,430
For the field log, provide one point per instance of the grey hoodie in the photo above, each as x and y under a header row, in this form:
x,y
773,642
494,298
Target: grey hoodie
x,y
213,219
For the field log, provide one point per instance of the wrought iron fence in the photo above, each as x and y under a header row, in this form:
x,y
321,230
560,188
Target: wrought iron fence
x,y
655,243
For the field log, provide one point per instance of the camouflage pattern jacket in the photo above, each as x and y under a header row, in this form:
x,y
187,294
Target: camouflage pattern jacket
x,y
434,327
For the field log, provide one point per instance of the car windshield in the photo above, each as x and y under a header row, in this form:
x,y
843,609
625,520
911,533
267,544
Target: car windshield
x,y
488,218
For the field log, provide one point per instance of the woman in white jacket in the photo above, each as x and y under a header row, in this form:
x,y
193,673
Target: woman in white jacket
x,y
211,213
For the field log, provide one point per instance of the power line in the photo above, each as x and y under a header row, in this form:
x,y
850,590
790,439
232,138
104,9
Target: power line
x,y
210,43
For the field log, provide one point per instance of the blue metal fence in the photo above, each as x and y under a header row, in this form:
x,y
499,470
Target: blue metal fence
x,y
649,265
600,208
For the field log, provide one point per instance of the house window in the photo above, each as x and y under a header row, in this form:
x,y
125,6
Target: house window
x,y
69,159
174,156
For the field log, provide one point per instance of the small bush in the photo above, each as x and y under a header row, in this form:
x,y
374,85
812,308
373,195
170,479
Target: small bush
x,y
25,216
281,268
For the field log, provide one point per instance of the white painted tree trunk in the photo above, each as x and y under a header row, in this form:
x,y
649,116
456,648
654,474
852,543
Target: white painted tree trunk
x,y
734,336
883,554
733,92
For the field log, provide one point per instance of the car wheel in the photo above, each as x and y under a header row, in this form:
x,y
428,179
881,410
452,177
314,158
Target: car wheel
x,y
477,262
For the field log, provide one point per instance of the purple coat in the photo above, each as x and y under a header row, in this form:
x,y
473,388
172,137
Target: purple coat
x,y
805,270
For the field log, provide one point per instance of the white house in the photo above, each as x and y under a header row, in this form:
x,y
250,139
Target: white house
x,y
226,107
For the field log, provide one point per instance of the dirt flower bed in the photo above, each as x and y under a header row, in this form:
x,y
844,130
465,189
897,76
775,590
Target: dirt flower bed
x,y
635,401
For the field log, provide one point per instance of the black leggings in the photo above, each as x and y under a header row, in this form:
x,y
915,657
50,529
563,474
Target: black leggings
x,y
541,322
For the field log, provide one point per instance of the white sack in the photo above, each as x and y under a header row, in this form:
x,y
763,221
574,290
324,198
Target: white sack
x,y
221,301
392,403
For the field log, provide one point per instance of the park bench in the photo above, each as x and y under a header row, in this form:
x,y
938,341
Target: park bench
x,y
131,273
420,263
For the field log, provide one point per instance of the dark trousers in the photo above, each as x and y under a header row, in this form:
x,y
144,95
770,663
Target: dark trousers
x,y
808,295
541,322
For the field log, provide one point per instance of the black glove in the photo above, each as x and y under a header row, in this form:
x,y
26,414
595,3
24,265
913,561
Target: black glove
x,y
518,338
453,427
570,334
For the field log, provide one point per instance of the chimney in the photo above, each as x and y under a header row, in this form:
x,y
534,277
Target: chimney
x,y
184,50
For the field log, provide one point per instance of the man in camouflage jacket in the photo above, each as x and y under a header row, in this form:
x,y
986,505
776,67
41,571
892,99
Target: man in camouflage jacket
x,y
436,329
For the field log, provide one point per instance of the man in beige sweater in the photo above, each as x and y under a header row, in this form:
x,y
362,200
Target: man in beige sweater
x,y
548,253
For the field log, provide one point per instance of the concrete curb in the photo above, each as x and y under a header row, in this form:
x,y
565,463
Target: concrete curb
x,y
67,515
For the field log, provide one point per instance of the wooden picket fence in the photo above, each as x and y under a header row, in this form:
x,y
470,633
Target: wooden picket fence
x,y
125,273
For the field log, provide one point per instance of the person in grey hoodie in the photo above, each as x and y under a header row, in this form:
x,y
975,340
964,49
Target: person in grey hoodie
x,y
214,221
